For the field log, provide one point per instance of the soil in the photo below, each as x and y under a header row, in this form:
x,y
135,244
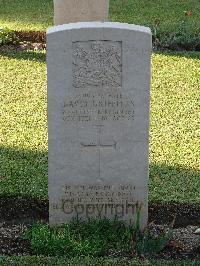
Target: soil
x,y
23,46
16,214
31,36
26,40
35,40
22,210
40,37
182,214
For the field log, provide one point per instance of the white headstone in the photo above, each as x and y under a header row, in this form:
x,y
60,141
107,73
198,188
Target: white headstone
x,y
66,11
98,115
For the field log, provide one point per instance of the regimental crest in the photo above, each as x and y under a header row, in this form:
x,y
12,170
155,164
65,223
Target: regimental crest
x,y
97,64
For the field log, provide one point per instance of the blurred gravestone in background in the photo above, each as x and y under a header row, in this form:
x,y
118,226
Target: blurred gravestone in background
x,y
67,11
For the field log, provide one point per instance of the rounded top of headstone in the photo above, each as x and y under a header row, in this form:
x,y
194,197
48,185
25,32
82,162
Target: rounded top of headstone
x,y
92,25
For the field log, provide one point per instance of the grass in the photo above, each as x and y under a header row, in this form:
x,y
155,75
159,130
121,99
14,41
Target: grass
x,y
174,24
92,238
174,152
38,14
87,261
166,18
26,15
174,149
23,130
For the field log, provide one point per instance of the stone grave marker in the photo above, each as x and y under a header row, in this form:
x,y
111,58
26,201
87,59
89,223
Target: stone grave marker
x,y
98,117
66,11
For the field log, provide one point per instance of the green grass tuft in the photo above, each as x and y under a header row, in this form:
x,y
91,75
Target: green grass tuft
x,y
7,36
92,238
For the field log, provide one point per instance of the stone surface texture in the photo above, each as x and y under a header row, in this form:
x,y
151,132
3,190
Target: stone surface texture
x,y
67,11
98,120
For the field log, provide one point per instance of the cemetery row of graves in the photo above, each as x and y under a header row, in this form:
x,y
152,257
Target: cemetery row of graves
x,y
174,175
174,25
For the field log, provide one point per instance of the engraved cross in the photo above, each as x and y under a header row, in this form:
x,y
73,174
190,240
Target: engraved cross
x,y
100,146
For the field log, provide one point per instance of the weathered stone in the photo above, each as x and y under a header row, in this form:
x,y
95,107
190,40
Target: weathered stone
x,y
197,231
98,112
66,11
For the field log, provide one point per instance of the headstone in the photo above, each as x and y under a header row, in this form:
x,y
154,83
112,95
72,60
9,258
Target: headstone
x,y
98,114
66,11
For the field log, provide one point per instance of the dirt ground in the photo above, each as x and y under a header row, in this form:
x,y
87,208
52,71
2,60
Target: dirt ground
x,y
16,214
